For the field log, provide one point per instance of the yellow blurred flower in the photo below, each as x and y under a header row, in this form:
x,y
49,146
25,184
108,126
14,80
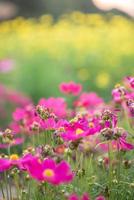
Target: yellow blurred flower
x,y
83,74
102,80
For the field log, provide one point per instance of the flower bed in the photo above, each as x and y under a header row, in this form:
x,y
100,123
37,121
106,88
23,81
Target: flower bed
x,y
82,151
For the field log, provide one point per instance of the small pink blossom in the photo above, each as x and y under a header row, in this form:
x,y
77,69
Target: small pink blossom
x,y
89,100
100,198
119,93
74,196
19,114
70,88
130,80
5,164
57,105
52,124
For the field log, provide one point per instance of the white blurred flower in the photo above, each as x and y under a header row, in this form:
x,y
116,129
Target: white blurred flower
x,y
126,6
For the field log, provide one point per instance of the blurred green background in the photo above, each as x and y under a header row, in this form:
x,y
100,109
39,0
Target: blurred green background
x,y
48,44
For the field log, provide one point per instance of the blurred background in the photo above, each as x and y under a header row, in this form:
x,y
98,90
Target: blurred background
x,y
45,42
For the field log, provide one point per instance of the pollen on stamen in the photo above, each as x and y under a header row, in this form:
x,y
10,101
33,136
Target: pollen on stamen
x,y
79,131
48,173
14,157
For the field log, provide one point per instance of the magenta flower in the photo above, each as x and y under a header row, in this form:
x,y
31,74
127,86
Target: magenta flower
x,y
75,130
100,198
25,119
26,162
130,107
73,197
15,127
85,196
70,88
122,144
52,124
74,135
5,164
19,114
80,128
130,80
119,143
48,170
109,119
57,105
119,94
89,100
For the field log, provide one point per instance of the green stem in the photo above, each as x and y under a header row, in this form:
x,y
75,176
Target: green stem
x,y
6,185
110,167
2,191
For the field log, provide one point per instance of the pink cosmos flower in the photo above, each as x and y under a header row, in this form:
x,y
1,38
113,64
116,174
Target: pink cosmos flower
x,y
19,114
130,80
118,144
109,118
8,163
122,144
130,107
48,170
119,94
5,164
14,160
74,130
57,105
70,88
81,128
100,198
89,100
25,118
15,127
25,162
85,196
52,124
74,135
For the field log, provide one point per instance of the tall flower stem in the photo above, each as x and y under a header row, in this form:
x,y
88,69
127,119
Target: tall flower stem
x,y
110,167
6,185
2,190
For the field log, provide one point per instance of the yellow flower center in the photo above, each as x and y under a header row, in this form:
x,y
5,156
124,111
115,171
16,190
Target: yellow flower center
x,y
48,173
79,131
14,157
91,125
117,85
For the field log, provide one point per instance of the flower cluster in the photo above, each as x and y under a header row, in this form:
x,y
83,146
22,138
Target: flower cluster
x,y
80,149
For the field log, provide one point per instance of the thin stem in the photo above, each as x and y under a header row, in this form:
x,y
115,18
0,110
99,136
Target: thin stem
x,y
2,191
110,166
6,185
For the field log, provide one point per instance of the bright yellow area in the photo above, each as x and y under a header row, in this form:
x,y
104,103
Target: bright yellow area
x,y
83,32
79,131
48,173
102,80
14,157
